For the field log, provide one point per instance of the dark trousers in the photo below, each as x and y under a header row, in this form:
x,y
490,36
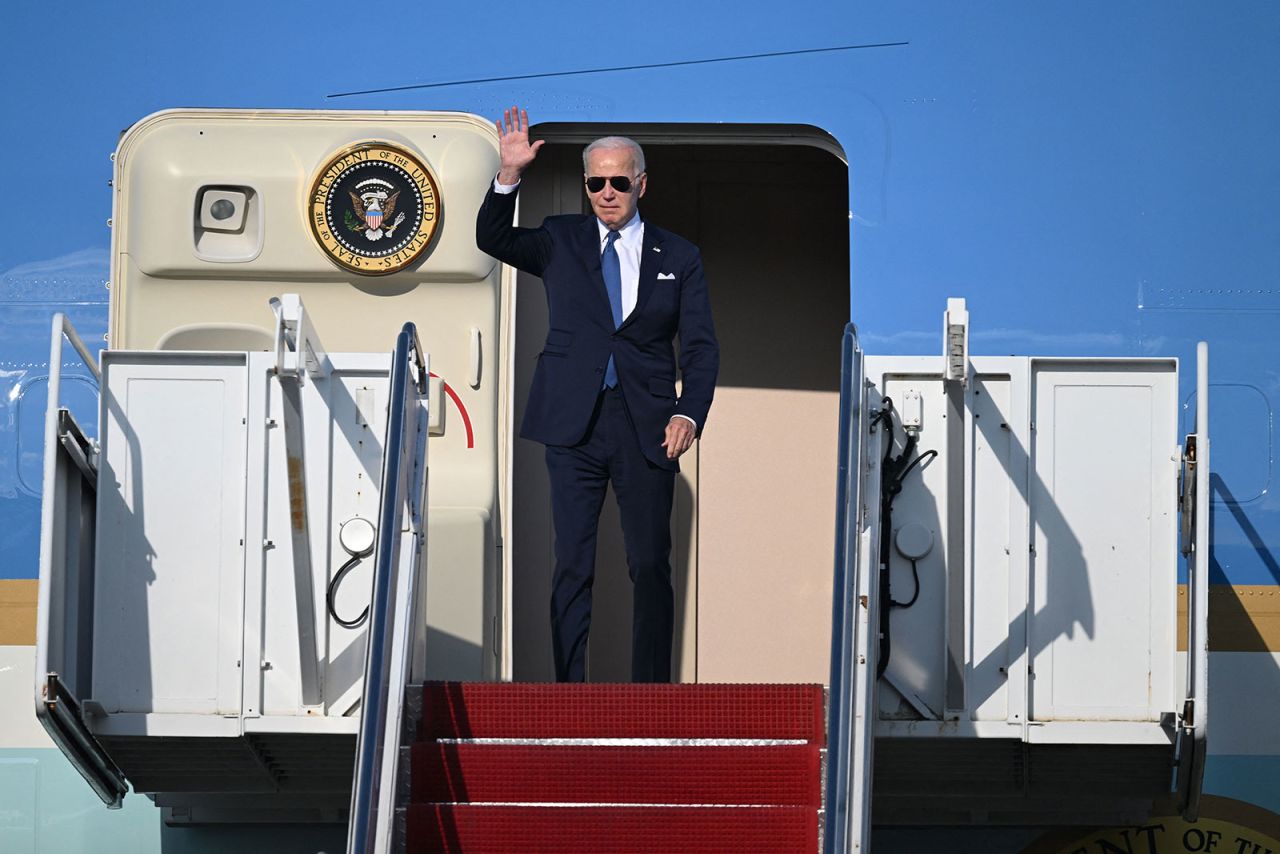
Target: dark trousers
x,y
579,476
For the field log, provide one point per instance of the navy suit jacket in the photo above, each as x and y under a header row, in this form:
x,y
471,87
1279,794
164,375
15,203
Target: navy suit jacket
x,y
565,252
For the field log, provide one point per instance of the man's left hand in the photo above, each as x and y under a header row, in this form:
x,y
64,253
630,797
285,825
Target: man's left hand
x,y
680,435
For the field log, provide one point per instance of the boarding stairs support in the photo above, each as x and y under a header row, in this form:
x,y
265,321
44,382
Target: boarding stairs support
x,y
134,555
1007,682
987,735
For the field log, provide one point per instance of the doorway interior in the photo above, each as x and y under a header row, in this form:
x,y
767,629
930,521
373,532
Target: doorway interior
x,y
753,525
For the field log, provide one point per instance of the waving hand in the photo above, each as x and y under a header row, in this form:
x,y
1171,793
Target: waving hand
x,y
517,153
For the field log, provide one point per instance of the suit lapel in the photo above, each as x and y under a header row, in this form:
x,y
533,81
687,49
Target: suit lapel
x,y
650,264
589,252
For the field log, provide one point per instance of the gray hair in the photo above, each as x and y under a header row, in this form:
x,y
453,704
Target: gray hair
x,y
614,142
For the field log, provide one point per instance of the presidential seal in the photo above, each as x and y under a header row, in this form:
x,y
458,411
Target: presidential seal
x,y
374,208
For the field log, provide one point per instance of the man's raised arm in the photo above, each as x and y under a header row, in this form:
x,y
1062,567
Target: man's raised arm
x,y
524,248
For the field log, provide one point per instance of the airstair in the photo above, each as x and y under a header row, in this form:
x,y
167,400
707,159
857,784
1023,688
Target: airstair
x,y
452,766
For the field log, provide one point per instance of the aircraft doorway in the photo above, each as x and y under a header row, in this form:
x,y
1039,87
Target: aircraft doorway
x,y
753,525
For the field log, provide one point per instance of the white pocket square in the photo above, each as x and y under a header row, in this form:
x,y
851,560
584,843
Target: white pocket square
x,y
666,275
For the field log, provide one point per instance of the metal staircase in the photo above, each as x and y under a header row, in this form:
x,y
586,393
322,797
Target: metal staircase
x,y
641,768
498,767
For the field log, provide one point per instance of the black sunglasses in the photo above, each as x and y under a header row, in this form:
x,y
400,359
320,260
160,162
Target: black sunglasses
x,y
621,183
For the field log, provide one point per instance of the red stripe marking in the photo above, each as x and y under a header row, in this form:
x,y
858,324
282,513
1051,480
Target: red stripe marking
x,y
466,419
776,775
452,829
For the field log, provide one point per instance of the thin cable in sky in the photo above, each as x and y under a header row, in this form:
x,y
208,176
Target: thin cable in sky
x,y
546,74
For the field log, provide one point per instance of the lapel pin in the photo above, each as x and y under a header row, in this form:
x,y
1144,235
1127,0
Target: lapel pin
x,y
657,249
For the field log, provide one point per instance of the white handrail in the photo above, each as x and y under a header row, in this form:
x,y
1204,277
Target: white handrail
x,y
56,706
62,329
395,585
854,621
1198,592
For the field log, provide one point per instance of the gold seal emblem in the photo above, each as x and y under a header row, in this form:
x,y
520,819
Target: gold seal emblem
x,y
374,208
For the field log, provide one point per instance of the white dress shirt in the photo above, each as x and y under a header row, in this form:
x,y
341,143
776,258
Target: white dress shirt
x,y
629,246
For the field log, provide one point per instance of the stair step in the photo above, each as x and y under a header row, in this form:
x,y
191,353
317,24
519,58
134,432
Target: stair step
x,y
778,774
447,829
540,710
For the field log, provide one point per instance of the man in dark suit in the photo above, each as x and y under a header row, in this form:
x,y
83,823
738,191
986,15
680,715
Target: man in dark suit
x,y
603,399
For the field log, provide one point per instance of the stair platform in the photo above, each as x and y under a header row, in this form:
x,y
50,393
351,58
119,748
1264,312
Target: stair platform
x,y
504,767
592,710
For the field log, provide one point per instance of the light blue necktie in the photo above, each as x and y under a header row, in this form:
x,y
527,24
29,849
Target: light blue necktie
x,y
611,268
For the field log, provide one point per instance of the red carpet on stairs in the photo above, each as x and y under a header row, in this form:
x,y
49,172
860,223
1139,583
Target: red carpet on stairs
x,y
511,768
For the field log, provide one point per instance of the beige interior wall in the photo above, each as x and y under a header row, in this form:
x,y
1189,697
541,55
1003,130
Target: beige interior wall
x,y
754,512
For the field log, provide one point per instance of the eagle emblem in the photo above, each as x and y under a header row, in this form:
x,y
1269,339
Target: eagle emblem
x,y
373,204
374,208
